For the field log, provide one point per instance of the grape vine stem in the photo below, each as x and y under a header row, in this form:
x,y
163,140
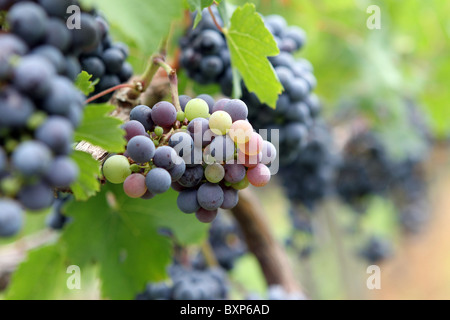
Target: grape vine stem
x,y
173,80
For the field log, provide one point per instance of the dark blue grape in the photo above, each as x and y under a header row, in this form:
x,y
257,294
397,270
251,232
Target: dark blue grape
x,y
36,197
94,66
31,158
33,76
113,59
15,108
57,35
192,176
63,171
57,133
29,21
158,181
210,196
11,217
143,114
187,201
141,149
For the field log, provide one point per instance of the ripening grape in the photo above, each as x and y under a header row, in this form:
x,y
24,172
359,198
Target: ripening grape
x,y
220,122
222,148
259,176
116,169
220,105
132,129
241,131
164,114
199,131
269,153
234,173
248,161
253,146
214,173
158,181
134,186
196,108
237,109
206,216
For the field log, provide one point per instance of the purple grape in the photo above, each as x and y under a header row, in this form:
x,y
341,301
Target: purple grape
x,y
132,129
164,114
237,109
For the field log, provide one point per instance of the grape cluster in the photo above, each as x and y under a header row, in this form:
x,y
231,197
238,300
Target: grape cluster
x,y
308,179
189,284
365,170
40,58
40,108
376,249
107,61
206,58
207,151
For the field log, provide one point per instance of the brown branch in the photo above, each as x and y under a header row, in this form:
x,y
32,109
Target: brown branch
x,y
272,258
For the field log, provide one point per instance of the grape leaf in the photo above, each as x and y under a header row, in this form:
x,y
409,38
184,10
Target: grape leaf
x,y
144,22
250,44
84,84
100,129
87,184
122,236
41,276
199,5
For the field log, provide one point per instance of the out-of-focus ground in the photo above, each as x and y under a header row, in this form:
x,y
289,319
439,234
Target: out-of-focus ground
x,y
420,269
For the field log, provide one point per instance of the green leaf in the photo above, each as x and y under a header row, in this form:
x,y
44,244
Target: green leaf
x,y
41,276
146,23
87,184
100,129
84,84
122,236
199,5
250,44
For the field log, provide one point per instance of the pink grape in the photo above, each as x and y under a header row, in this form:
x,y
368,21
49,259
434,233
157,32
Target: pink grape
x,y
259,176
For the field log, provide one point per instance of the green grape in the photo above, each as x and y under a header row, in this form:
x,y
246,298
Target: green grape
x,y
116,169
242,184
197,108
181,116
159,131
214,173
220,122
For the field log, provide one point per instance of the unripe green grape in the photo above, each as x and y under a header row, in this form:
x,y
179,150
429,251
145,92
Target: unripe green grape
x,y
196,108
181,116
214,173
116,169
159,131
220,122
242,184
